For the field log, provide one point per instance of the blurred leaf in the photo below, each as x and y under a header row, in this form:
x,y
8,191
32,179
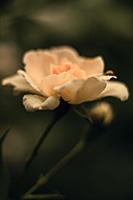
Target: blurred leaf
x,y
4,173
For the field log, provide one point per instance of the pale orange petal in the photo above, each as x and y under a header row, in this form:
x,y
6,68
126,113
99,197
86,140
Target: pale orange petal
x,y
38,64
50,82
79,73
89,91
19,83
33,102
115,89
36,102
69,90
65,53
50,103
24,75
46,88
92,66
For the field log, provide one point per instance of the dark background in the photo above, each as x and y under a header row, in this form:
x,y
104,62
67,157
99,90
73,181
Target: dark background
x,y
104,170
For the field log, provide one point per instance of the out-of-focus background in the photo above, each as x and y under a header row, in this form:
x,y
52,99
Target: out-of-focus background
x,y
104,170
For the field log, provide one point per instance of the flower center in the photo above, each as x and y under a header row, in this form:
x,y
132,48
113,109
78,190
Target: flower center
x,y
58,69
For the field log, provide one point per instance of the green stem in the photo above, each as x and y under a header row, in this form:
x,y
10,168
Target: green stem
x,y
43,180
39,143
83,112
61,112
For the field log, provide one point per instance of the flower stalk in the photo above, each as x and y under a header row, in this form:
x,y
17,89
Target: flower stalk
x,y
39,143
58,114
44,179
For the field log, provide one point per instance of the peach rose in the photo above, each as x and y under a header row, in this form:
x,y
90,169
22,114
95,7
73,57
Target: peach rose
x,y
61,72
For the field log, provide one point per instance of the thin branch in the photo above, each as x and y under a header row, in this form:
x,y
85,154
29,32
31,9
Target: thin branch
x,y
39,143
58,114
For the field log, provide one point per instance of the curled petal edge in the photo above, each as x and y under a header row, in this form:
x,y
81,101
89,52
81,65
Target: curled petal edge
x,y
36,102
115,89
19,83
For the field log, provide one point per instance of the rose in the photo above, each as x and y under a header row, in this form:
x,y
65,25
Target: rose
x,y
61,72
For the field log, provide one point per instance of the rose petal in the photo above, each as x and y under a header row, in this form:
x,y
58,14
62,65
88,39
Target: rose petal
x,y
50,82
36,102
78,72
50,103
31,82
69,90
19,83
89,91
92,66
65,53
38,64
115,89
32,102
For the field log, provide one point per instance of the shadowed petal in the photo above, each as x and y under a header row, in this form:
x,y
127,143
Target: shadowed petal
x,y
50,103
36,102
115,89
92,66
69,90
38,64
19,83
65,52
32,102
89,91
